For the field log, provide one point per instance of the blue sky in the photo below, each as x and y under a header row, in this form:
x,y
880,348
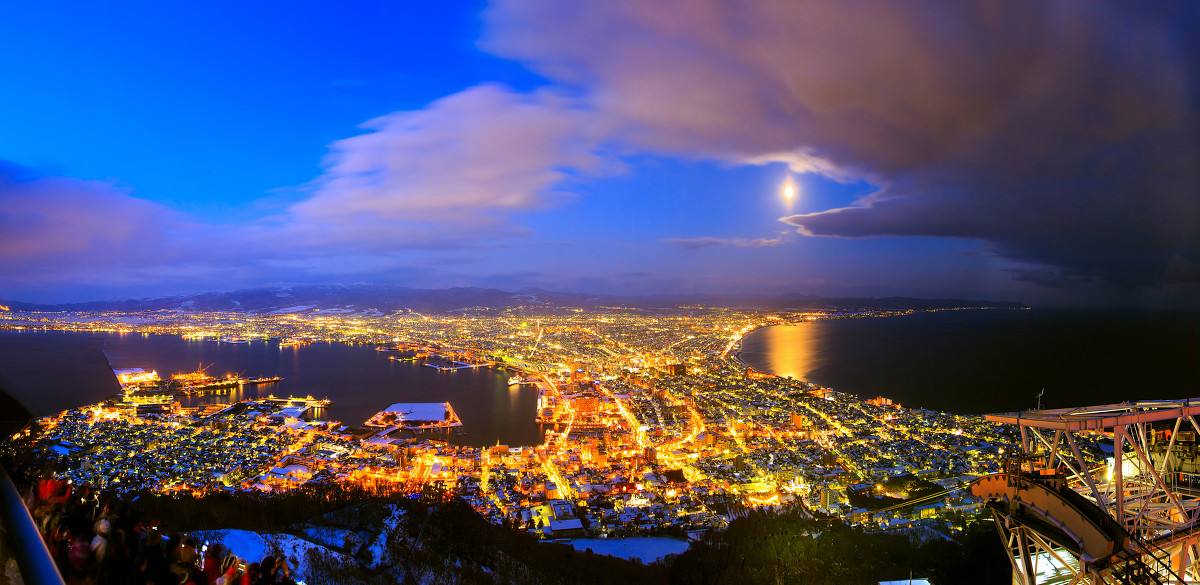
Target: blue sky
x,y
160,148
214,105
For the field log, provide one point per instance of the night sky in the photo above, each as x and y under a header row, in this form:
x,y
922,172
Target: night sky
x,y
1015,150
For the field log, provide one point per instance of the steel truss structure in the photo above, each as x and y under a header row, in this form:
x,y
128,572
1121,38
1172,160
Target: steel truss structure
x,y
1067,515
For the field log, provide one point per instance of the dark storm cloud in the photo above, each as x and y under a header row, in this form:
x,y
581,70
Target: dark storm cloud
x,y
1064,133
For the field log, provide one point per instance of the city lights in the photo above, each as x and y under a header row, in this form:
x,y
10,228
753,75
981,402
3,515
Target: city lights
x,y
651,421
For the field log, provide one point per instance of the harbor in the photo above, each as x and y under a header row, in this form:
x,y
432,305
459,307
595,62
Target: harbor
x,y
194,383
359,379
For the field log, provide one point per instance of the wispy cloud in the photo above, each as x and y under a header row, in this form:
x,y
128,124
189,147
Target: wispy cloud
x,y
458,167
709,242
54,228
417,185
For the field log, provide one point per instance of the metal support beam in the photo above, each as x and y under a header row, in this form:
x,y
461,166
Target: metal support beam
x,y
1118,464
1086,473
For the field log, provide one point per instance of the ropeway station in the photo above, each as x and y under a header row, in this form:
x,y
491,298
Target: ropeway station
x,y
1069,513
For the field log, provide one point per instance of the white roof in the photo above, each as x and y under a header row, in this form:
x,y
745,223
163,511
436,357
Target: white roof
x,y
293,411
568,524
418,411
290,469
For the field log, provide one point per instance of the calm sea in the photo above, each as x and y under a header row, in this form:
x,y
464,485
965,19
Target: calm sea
x,y
359,380
992,360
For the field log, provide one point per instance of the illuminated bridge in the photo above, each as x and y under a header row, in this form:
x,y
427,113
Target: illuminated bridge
x,y
1129,516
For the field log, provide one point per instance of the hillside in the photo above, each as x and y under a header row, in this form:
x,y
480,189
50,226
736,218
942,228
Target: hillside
x,y
388,298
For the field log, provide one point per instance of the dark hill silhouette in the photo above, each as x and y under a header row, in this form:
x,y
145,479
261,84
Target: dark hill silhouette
x,y
388,298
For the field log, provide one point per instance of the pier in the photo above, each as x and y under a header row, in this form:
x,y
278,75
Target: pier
x,y
451,366
415,416
298,401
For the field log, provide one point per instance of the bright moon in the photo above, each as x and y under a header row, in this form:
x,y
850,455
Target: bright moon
x,y
789,190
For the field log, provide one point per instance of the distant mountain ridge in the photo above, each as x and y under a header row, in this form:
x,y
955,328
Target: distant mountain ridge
x,y
388,298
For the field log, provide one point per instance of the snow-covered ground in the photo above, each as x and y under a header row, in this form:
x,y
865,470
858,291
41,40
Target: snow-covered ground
x,y
295,309
378,547
331,538
643,548
339,542
251,547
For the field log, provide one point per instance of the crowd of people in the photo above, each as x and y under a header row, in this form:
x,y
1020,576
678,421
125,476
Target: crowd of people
x,y
96,539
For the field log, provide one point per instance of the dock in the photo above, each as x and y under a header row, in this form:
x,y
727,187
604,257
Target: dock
x,y
415,416
298,401
451,366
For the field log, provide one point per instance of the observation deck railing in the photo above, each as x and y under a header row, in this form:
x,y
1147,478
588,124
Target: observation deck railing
x,y
21,541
